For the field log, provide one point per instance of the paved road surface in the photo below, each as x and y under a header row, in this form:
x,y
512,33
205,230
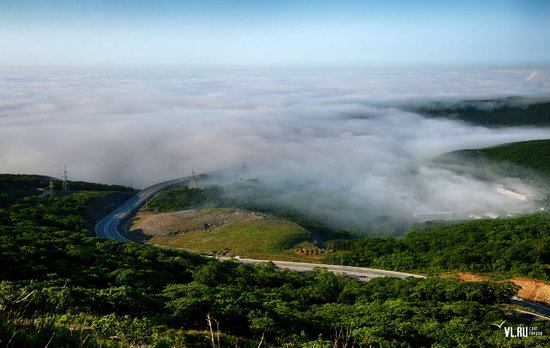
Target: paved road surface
x,y
362,273
532,305
108,227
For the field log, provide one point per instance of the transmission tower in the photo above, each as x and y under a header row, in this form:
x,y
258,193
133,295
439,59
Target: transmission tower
x,y
65,185
52,192
193,180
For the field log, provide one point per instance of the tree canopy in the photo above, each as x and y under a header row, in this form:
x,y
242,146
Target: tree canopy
x,y
61,286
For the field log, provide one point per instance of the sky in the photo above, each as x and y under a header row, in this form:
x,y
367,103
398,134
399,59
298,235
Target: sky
x,y
282,33
76,90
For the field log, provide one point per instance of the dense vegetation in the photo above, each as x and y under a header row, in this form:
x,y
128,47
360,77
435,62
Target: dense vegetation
x,y
519,246
532,155
497,112
62,287
185,198
13,186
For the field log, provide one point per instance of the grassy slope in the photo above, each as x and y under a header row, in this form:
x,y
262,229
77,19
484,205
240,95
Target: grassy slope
x,y
255,239
234,231
274,238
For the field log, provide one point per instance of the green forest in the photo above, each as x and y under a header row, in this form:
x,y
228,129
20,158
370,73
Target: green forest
x,y
185,198
513,111
510,247
62,287
515,158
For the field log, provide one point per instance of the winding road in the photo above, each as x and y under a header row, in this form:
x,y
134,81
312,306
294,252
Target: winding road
x,y
531,305
108,227
361,273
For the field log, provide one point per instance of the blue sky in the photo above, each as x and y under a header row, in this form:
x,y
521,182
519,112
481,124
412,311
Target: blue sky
x,y
274,33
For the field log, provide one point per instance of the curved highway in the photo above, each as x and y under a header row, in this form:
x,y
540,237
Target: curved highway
x,y
108,227
361,273
532,305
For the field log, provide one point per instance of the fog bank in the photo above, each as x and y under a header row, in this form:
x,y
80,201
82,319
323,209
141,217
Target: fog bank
x,y
339,139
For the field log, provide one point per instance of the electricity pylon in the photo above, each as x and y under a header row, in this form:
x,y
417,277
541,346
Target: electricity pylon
x,y
193,180
65,185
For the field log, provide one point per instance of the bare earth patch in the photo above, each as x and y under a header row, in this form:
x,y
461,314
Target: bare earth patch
x,y
470,277
530,289
167,224
535,290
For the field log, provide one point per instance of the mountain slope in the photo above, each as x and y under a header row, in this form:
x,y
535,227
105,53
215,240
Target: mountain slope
x,y
512,111
62,287
533,155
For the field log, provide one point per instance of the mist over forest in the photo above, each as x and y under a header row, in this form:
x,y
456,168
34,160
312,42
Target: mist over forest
x,y
339,144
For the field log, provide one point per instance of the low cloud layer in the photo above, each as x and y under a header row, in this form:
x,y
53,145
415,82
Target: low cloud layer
x,y
339,136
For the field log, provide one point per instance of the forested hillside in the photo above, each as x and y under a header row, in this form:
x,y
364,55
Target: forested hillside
x,y
492,112
533,155
62,287
518,246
